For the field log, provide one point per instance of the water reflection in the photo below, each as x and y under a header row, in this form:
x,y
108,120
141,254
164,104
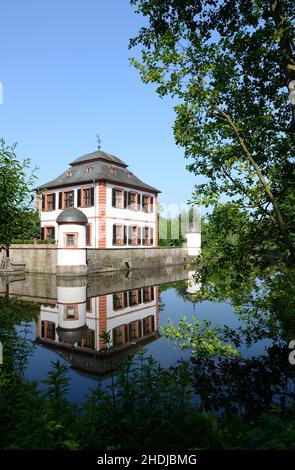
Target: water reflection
x,y
255,315
75,325
192,285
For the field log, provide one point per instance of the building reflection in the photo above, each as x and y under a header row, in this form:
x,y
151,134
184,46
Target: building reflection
x,y
75,326
192,284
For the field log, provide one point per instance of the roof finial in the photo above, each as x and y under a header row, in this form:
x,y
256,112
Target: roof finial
x,y
99,141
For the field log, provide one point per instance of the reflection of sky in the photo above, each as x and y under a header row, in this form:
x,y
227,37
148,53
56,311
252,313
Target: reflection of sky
x,y
163,351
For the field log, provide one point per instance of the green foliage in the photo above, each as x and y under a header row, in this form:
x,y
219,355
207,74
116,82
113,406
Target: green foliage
x,y
144,405
31,241
29,227
153,408
272,431
197,336
17,218
228,65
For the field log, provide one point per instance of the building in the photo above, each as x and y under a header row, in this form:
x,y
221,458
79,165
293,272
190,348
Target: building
x,y
121,210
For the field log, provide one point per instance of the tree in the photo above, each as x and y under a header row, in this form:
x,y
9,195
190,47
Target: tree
x,y
16,196
230,66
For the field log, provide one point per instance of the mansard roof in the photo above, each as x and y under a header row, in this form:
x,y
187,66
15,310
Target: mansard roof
x,y
98,155
94,167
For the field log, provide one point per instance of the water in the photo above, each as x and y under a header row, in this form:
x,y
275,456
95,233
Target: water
x,y
72,314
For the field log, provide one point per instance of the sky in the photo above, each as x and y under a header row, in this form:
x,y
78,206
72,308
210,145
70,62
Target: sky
x,y
66,76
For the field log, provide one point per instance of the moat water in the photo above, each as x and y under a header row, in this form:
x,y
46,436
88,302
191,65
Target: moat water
x,y
65,318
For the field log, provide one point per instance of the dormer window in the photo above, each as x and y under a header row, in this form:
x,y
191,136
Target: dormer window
x,y
89,169
69,173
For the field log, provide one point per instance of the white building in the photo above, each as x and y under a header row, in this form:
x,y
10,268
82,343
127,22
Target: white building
x,y
121,210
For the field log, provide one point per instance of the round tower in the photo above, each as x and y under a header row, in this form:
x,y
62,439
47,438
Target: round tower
x,y
71,255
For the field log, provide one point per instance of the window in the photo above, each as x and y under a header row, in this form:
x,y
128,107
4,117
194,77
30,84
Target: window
x,y
88,341
69,199
89,169
69,173
139,235
119,234
48,329
85,197
88,234
145,203
48,202
151,204
134,330
148,325
132,235
146,294
70,312
66,199
133,298
120,300
151,236
71,240
132,201
49,233
117,301
118,198
146,236
89,304
120,335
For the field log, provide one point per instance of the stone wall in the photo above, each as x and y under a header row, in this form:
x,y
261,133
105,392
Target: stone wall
x,y
43,258
113,259
38,258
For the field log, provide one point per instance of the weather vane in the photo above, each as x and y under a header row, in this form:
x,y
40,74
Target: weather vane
x,y
99,141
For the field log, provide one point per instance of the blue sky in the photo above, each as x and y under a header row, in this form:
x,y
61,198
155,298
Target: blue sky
x,y
66,76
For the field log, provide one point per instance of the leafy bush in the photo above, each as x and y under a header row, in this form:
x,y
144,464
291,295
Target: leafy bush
x,y
144,407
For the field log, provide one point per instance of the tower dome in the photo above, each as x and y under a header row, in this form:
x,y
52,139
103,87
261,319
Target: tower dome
x,y
72,216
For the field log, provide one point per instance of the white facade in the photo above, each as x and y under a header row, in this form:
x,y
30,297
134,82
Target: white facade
x,y
127,217
101,219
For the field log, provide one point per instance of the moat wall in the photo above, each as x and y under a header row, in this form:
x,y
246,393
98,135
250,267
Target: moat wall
x,y
43,258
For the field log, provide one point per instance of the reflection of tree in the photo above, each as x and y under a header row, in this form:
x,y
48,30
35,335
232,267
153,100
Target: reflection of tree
x,y
16,316
180,288
247,385
264,302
